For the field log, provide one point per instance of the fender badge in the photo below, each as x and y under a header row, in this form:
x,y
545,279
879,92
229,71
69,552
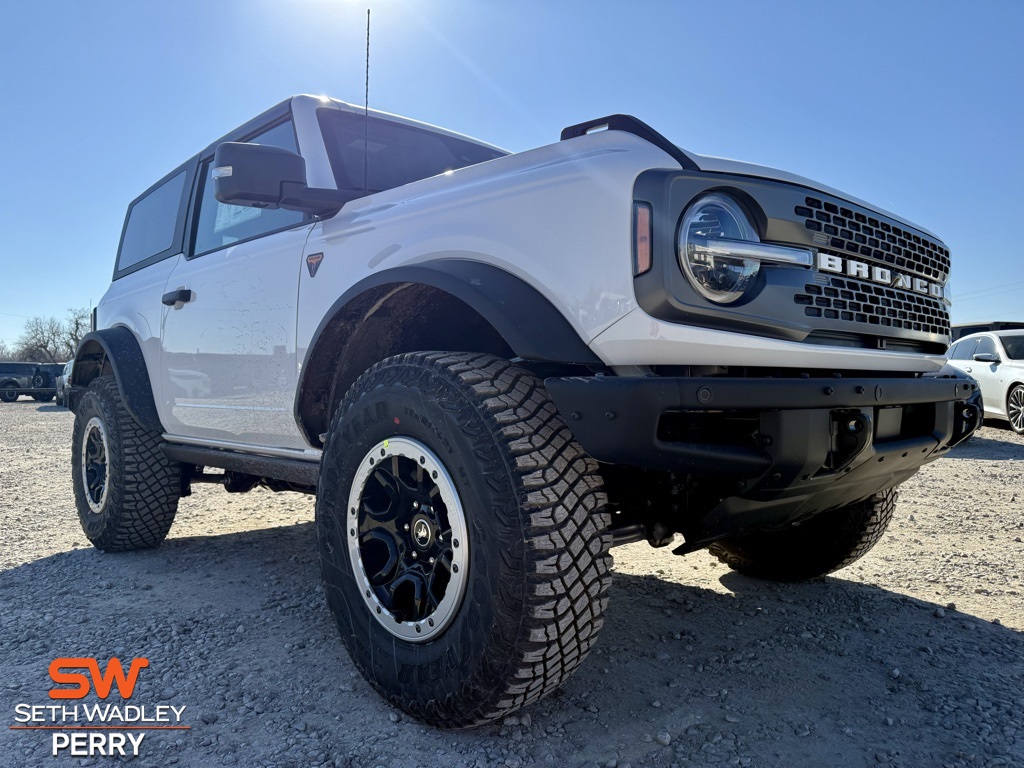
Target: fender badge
x,y
313,262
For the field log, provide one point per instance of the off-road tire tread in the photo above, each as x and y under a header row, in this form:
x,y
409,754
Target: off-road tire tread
x,y
826,543
566,565
144,484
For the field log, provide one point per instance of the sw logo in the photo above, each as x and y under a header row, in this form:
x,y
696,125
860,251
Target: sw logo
x,y
102,681
313,262
104,729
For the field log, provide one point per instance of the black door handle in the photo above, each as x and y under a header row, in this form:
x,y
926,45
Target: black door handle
x,y
183,295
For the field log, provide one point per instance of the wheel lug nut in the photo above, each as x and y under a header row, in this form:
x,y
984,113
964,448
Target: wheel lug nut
x,y
431,559
406,526
415,505
414,555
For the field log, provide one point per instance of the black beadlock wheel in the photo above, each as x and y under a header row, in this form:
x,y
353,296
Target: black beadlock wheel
x,y
825,543
126,490
463,537
1015,408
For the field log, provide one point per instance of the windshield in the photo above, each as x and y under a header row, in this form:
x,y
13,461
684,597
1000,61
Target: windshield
x,y
397,153
1014,346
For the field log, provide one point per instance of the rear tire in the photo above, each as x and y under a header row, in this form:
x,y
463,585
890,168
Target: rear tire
x,y
126,490
42,398
527,602
827,542
9,392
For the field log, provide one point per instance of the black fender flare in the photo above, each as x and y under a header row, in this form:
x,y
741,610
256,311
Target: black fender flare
x,y
529,323
119,348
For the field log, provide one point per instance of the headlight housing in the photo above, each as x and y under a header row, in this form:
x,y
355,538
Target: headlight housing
x,y
720,252
717,273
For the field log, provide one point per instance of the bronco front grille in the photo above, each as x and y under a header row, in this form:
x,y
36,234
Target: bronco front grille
x,y
863,235
854,301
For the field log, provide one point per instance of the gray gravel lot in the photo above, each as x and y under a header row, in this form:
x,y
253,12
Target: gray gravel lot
x,y
912,657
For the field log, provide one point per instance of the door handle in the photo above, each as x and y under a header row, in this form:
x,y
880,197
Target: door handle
x,y
182,295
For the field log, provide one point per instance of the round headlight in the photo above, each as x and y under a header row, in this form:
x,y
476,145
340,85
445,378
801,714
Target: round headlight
x,y
718,272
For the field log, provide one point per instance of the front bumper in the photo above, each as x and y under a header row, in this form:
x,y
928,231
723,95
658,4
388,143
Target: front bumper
x,y
777,449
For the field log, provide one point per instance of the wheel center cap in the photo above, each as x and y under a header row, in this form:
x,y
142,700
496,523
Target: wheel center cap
x,y
422,535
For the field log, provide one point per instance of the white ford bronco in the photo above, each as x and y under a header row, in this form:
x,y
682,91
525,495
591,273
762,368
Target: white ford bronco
x,y
490,368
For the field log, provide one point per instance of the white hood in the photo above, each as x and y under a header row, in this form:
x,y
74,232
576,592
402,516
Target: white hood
x,y
740,168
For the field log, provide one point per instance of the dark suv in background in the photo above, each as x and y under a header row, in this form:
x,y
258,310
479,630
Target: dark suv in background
x,y
35,379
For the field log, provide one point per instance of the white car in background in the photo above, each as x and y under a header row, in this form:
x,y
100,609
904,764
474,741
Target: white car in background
x,y
996,360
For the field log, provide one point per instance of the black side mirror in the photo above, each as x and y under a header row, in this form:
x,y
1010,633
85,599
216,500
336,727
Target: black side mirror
x,y
987,357
252,174
262,176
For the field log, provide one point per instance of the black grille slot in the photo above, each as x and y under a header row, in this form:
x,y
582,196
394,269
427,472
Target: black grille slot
x,y
879,240
873,305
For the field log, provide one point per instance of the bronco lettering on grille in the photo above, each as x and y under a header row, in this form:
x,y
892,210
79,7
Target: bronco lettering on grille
x,y
828,262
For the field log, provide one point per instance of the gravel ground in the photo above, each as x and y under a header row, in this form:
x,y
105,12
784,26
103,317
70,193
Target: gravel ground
x,y
914,656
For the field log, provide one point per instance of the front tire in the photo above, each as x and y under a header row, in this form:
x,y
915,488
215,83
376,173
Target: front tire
x,y
126,490
827,542
9,392
1015,408
459,634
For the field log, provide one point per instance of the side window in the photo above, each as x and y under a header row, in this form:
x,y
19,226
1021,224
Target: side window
x,y
219,225
152,223
986,347
964,350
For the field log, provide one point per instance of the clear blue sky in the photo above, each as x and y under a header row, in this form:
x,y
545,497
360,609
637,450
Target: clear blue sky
x,y
915,106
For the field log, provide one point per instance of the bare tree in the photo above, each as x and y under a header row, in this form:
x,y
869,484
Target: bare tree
x,y
42,341
76,325
49,340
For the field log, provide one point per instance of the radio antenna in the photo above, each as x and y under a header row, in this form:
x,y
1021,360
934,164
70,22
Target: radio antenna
x,y
366,113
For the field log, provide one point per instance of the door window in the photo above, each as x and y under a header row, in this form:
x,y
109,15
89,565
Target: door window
x,y
985,346
220,225
964,350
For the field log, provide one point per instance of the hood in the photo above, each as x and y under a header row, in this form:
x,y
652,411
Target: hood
x,y
740,168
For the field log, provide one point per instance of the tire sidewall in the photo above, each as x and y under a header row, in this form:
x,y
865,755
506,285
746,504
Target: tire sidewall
x,y
427,677
96,524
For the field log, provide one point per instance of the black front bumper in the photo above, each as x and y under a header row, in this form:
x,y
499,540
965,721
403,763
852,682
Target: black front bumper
x,y
778,449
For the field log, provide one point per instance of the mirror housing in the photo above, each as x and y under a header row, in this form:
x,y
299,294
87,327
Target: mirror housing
x,y
262,176
987,357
